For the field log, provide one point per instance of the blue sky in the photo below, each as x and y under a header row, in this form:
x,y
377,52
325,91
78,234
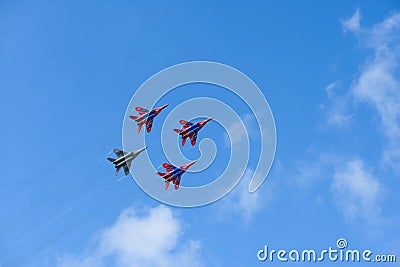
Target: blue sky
x,y
69,69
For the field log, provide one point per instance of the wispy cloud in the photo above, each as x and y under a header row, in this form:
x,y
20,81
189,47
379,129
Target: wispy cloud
x,y
336,106
151,239
352,23
355,186
239,129
377,84
356,191
331,87
306,173
243,204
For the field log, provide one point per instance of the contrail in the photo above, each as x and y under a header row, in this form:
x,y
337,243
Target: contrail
x,y
65,212
69,210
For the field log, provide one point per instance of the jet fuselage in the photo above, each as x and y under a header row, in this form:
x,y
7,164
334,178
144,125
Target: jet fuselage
x,y
125,159
192,129
147,116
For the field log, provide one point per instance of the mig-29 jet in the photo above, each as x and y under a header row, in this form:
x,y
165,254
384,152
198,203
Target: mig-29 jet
x,y
146,117
174,174
190,130
124,159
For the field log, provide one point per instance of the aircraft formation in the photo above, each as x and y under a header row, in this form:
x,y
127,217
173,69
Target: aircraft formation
x,y
173,174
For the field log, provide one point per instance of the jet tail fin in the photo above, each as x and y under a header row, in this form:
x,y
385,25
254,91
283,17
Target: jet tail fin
x,y
161,173
111,159
133,117
177,130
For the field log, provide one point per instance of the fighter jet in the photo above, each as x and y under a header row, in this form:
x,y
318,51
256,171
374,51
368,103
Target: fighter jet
x,y
190,130
146,117
174,174
124,159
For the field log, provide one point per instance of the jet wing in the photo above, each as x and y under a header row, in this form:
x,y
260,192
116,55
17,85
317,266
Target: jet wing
x,y
140,125
185,124
177,182
149,124
169,167
141,110
126,167
126,170
183,140
119,153
193,138
167,181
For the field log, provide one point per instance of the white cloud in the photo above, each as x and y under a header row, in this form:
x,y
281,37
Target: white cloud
x,y
331,87
336,107
240,202
239,129
378,87
355,187
337,116
356,191
151,239
384,36
378,84
307,173
352,23
243,204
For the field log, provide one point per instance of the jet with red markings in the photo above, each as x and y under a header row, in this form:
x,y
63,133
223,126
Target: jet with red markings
x,y
174,174
190,130
146,117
